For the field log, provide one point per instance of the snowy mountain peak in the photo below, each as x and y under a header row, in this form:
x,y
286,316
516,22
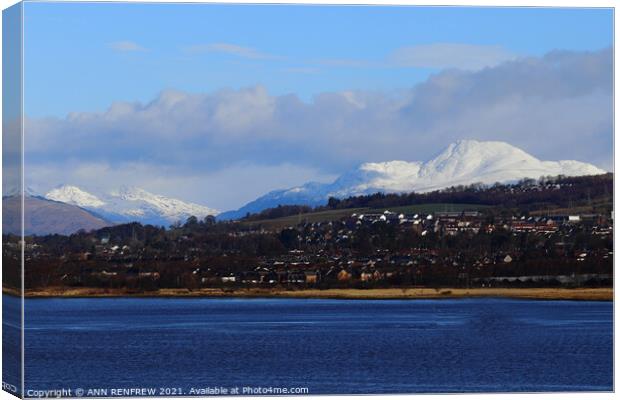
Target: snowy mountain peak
x,y
467,157
475,148
74,195
460,163
132,193
129,203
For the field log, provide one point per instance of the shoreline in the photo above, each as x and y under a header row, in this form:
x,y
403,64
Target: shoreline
x,y
579,294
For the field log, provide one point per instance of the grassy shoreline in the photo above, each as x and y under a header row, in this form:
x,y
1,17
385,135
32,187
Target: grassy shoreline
x,y
591,294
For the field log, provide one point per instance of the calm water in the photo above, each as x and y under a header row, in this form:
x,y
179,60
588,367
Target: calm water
x,y
328,346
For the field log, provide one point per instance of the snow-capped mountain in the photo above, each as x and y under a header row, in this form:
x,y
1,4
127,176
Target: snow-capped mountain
x,y
74,195
130,204
461,163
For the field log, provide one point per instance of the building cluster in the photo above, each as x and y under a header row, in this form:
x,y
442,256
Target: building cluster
x,y
328,253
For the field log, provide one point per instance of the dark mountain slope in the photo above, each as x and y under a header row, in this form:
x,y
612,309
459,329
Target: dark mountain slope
x,y
44,217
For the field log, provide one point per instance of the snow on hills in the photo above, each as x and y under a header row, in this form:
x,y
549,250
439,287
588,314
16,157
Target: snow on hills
x,y
461,163
131,204
74,195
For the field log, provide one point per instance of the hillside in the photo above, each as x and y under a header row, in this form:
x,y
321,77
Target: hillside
x,y
44,217
335,215
552,195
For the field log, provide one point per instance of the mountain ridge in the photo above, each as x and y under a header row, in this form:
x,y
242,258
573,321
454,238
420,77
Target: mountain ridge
x,y
128,203
460,163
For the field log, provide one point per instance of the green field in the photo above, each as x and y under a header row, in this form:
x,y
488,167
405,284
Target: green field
x,y
434,207
334,215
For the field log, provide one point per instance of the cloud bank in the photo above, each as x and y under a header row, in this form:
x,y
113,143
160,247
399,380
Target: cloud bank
x,y
558,106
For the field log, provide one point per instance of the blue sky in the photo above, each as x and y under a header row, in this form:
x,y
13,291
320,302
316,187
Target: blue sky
x,y
72,63
218,104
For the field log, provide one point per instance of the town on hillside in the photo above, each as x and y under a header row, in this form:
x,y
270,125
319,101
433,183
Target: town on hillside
x,y
554,232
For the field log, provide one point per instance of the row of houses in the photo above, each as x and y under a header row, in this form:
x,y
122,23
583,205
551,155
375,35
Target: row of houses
x,y
455,222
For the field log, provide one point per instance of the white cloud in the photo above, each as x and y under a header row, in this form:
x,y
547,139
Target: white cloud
x,y
240,111
126,46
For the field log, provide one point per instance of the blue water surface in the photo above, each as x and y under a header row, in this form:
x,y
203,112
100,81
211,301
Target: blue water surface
x,y
328,346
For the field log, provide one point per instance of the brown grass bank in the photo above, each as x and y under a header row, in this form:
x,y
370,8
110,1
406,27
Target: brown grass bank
x,y
599,294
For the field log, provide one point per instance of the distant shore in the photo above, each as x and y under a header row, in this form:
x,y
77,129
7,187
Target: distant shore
x,y
592,294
